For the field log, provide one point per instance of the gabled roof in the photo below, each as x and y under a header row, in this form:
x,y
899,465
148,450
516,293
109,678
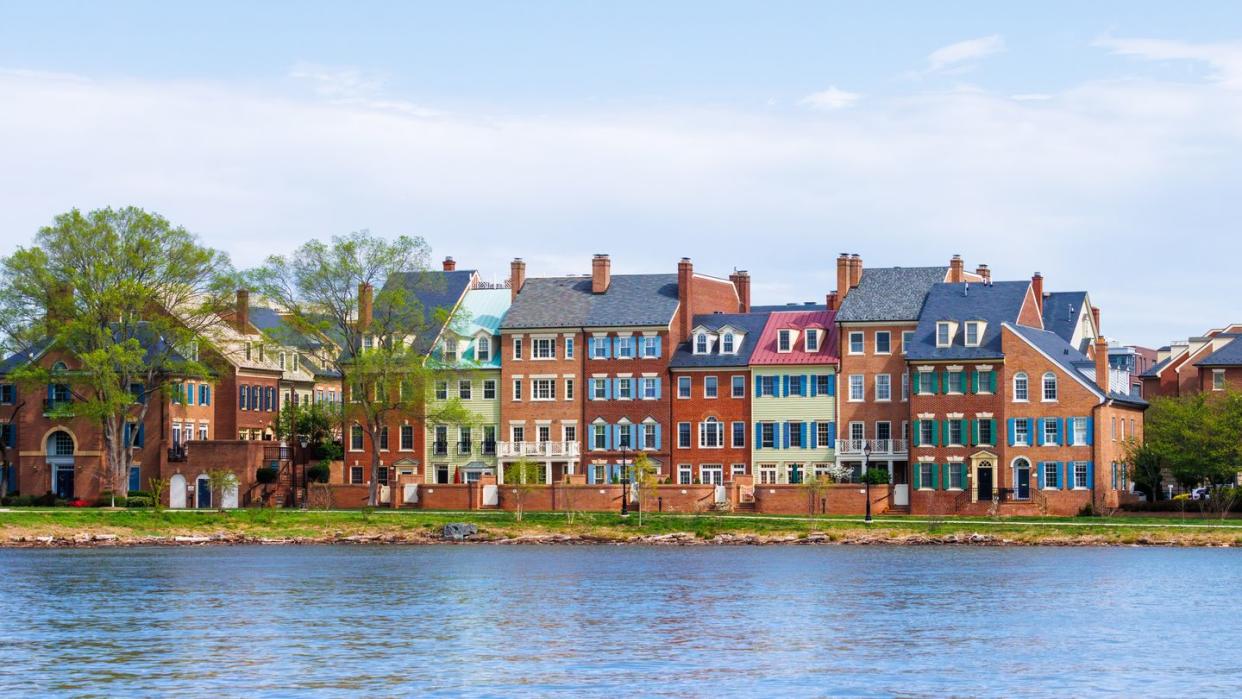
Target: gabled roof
x,y
432,291
889,294
1062,310
765,351
1073,362
994,303
632,300
749,323
480,313
1229,355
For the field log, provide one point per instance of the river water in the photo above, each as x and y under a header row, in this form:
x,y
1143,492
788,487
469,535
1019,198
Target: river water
x,y
632,621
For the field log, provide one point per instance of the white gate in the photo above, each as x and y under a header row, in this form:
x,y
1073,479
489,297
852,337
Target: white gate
x,y
901,495
491,495
722,495
409,493
176,492
229,499
385,494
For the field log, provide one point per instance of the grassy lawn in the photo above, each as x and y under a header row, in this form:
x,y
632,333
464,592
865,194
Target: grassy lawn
x,y
285,524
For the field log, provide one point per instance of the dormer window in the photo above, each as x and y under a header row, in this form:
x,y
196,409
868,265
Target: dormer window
x,y
726,344
247,351
450,350
944,334
812,340
784,340
297,362
281,360
483,348
974,332
701,343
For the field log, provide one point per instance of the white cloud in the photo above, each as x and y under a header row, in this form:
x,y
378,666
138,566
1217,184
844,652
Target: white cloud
x,y
830,99
1225,59
1085,187
354,87
954,55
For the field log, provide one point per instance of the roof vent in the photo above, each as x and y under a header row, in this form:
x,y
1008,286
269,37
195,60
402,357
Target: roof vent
x,y
966,289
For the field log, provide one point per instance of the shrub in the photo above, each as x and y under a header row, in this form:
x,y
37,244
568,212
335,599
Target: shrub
x,y
47,499
319,473
139,501
266,475
105,500
1087,510
139,494
18,500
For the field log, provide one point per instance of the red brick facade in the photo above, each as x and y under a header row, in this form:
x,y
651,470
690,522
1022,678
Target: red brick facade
x,y
725,408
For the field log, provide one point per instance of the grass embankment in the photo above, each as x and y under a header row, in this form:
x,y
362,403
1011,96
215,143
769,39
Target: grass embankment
x,y
21,527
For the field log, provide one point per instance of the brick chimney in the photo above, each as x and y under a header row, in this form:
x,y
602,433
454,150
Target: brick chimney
x,y
601,273
241,311
366,299
517,277
843,278
1037,288
450,264
831,301
956,269
1101,363
1095,316
685,287
855,270
741,282
984,272
59,302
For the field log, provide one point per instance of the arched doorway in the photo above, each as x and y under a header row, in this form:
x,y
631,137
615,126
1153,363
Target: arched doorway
x,y
60,450
983,476
1021,479
202,492
176,491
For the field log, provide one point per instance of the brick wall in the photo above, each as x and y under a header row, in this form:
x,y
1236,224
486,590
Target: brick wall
x,y
869,411
844,499
698,409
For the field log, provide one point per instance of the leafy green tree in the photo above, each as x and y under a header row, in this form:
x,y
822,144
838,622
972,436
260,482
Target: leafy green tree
x,y
1146,469
1198,438
645,476
522,478
220,480
329,290
129,297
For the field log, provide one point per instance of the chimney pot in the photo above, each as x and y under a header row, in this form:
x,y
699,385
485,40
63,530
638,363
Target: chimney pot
x,y
984,272
450,264
956,270
517,276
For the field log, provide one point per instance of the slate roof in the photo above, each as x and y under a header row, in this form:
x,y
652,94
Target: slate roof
x,y
147,338
1229,355
431,291
1061,312
750,323
1071,360
890,294
1155,369
765,353
995,303
631,300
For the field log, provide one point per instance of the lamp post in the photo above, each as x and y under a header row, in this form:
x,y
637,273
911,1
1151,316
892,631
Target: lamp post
x,y
625,485
866,451
303,440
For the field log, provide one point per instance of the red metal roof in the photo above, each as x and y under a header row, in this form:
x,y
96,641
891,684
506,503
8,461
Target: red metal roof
x,y
765,352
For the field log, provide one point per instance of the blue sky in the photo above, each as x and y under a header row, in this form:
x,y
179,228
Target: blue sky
x,y
1097,143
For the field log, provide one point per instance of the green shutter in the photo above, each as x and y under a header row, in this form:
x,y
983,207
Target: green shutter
x,y
914,381
918,472
974,381
935,476
917,432
992,381
935,440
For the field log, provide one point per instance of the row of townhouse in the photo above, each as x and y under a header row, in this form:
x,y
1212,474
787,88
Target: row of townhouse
x,y
1211,362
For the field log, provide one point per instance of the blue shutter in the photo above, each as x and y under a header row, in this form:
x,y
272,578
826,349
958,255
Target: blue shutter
x,y
785,385
918,476
1060,484
634,443
142,435
918,432
1090,474
1039,475
814,436
607,436
915,382
758,386
1039,436
241,398
758,436
658,441
832,435
832,385
814,388
784,435
806,429
1091,434
658,383
935,477
658,346
1030,429
616,347
806,381
189,394
1059,424
125,435
607,389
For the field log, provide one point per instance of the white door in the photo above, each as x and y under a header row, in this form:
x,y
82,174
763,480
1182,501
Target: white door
x,y
385,494
901,495
409,493
176,492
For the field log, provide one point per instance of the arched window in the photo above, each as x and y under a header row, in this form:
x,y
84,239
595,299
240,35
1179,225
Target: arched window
x,y
483,349
1050,386
700,343
711,433
1020,386
60,443
726,344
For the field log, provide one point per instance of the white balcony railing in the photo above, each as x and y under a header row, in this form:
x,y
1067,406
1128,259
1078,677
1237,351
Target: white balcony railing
x,y
879,447
537,449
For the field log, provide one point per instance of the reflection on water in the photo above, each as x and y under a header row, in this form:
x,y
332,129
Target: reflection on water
x,y
489,620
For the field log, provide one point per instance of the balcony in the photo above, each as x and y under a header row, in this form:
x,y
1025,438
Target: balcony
x,y
277,453
542,450
489,448
176,453
879,447
465,448
439,448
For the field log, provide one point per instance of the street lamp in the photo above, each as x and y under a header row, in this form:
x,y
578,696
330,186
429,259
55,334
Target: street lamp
x,y
866,451
303,440
625,485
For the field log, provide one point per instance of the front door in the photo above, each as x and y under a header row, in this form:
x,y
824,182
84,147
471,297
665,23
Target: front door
x,y
203,498
985,483
64,481
1023,485
713,475
442,473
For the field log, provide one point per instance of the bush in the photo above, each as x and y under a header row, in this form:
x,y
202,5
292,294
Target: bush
x,y
139,501
17,500
1087,510
139,494
876,476
105,500
266,475
319,473
47,499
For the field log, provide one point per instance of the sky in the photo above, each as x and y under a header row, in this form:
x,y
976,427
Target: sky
x,y
1097,143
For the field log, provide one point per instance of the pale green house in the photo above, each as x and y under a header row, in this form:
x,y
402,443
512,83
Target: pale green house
x,y
469,352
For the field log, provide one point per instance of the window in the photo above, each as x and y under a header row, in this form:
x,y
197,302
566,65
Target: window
x,y
569,432
927,432
955,382
649,345
202,432
767,386
823,385
739,386
204,394
517,389
625,389
407,438
726,344
1218,379
700,343
625,347
465,440
957,476
926,479
355,475
543,389
599,347
518,433
599,436
465,389
381,475
355,438
767,474
823,434
383,438
812,340
569,389
1022,432
1050,431
649,388
737,470
7,394
795,384
1019,387
883,387
442,390
944,334
1080,475
985,432
784,340
489,389
683,435
483,349
883,342
767,435
856,387
739,435
984,379
955,432
711,387
856,343
711,434
543,348
1079,431
683,386
1050,476
907,337
974,329
685,474
569,348
795,435
599,389
1050,386
858,431
517,348
905,386
450,351
625,433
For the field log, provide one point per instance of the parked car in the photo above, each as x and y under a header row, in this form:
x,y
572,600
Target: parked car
x,y
1201,494
1139,495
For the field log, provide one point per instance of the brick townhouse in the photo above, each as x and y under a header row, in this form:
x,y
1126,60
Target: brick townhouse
x,y
585,364
711,383
1195,365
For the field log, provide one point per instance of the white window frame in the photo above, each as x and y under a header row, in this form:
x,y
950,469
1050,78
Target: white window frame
x,y
714,383
975,327
810,340
784,340
1043,387
685,386
861,394
706,429
734,383
1021,433
1021,387
884,382
543,348
876,342
944,333
861,338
